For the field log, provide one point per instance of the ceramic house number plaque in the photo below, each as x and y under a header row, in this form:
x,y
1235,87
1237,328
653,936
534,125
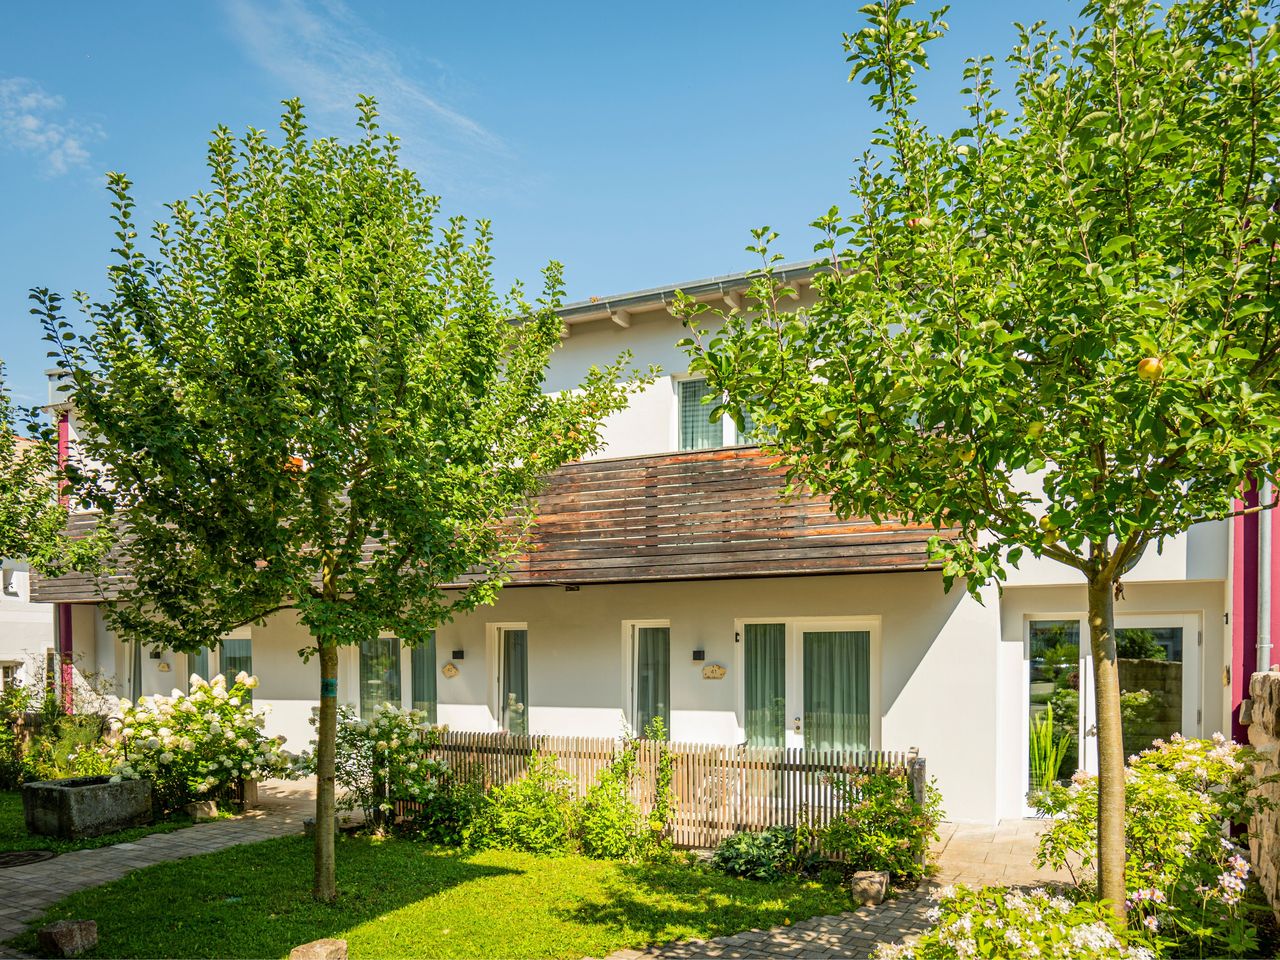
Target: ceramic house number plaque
x,y
449,670
713,671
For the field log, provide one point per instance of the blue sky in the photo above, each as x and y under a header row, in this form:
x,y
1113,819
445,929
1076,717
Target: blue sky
x,y
637,143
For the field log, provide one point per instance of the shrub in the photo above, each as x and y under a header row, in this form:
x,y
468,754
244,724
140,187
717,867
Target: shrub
x,y
14,704
192,746
997,922
380,762
610,826
534,814
1185,881
454,800
881,825
766,855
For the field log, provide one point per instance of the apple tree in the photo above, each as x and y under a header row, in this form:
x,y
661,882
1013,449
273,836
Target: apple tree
x,y
1050,332
310,395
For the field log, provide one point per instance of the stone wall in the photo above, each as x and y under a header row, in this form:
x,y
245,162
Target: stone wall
x,y
1262,713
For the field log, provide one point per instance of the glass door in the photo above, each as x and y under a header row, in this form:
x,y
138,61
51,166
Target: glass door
x,y
1158,656
836,702
764,678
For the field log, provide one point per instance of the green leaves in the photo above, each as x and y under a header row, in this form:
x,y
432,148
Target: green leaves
x,y
308,393
1068,314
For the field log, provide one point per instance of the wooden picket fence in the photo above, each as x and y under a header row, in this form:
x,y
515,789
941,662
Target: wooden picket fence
x,y
718,790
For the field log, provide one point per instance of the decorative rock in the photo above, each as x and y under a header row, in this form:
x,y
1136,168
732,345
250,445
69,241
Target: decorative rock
x,y
869,887
202,810
67,938
326,949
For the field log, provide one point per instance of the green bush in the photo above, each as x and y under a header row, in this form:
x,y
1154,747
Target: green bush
x,y
443,814
534,814
766,855
997,922
610,826
1186,883
881,825
14,703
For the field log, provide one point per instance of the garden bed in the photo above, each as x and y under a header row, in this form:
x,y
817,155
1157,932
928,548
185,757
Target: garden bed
x,y
400,898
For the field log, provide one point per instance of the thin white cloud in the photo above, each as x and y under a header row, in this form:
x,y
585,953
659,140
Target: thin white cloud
x,y
34,121
328,57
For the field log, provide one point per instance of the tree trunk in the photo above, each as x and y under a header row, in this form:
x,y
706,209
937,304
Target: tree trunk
x,y
326,886
1111,798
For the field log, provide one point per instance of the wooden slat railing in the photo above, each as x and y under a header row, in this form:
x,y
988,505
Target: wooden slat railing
x,y
719,790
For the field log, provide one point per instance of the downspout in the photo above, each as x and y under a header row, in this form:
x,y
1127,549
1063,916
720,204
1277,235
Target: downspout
x,y
66,640
1266,523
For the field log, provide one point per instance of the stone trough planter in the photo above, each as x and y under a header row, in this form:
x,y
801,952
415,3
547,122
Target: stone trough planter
x,y
85,806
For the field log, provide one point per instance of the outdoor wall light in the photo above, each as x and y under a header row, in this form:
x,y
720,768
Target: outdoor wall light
x,y
699,655
457,654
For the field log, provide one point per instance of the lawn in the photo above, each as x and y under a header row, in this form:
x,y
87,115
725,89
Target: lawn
x,y
402,899
14,836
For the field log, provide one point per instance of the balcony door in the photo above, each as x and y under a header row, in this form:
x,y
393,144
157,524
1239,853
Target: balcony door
x,y
808,684
1159,657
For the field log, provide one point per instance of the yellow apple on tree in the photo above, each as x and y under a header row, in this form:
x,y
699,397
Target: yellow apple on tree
x,y
1151,368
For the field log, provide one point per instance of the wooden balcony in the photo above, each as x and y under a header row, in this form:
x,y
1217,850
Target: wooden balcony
x,y
713,514
695,516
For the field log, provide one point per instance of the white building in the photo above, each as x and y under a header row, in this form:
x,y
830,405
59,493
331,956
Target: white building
x,y
28,646
671,553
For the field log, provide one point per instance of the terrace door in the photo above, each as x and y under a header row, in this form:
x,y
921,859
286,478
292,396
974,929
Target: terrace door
x,y
807,685
1159,662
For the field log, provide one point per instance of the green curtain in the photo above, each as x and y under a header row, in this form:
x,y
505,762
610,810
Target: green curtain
x,y
697,432
379,673
237,655
653,677
198,664
765,678
837,690
422,666
515,681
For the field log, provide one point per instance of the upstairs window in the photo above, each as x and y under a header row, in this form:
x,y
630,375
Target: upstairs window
x,y
697,432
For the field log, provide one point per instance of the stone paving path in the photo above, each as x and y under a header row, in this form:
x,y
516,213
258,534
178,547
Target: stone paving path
x,y
973,855
26,892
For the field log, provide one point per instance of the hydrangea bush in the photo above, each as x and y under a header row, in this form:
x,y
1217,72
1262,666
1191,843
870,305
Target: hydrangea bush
x,y
381,762
998,922
193,745
1185,879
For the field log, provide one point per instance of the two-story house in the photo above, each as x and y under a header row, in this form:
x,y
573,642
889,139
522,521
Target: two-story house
x,y
668,578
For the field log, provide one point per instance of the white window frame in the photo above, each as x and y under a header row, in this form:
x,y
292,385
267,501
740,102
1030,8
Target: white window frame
x,y
729,435
628,700
795,628
9,583
493,658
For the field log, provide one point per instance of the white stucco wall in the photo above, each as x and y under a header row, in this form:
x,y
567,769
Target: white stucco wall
x,y
26,628
934,672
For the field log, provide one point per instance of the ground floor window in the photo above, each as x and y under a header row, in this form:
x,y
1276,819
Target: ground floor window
x,y
8,676
513,706
198,664
650,677
379,673
422,672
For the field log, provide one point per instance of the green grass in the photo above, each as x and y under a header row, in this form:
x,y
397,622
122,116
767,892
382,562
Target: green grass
x,y
14,836
401,899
